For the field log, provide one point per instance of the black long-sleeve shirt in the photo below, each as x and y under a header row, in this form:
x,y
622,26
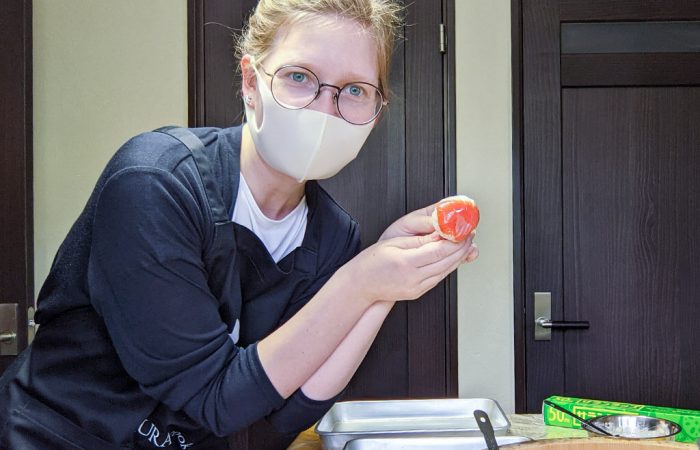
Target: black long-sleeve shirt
x,y
134,334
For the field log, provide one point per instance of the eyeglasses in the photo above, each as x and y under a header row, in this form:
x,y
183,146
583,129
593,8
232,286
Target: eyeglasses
x,y
296,87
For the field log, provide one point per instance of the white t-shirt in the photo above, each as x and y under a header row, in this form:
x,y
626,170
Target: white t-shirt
x,y
279,236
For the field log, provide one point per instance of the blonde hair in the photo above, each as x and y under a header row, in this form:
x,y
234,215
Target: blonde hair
x,y
381,18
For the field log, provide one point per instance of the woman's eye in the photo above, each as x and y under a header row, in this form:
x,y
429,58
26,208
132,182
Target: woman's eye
x,y
298,77
354,90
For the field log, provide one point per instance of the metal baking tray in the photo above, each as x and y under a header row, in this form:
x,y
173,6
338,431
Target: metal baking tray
x,y
429,443
445,417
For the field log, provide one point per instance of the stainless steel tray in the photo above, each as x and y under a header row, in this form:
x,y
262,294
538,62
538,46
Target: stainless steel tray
x,y
429,443
450,417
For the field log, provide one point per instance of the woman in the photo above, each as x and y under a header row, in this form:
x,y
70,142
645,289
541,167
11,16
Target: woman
x,y
203,289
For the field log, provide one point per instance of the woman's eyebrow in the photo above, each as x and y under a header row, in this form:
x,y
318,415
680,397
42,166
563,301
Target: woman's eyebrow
x,y
350,77
360,77
345,77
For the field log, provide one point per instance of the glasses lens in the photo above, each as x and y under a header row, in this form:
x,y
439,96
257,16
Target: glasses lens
x,y
294,87
359,102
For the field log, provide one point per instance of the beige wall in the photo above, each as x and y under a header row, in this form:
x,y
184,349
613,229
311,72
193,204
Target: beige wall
x,y
485,288
106,70
103,71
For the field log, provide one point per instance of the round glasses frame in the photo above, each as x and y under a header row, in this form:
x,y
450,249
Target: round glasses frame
x,y
336,96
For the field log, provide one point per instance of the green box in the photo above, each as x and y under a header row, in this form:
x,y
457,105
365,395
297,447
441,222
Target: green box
x,y
688,419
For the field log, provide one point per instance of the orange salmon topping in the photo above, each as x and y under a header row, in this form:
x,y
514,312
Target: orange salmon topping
x,y
456,217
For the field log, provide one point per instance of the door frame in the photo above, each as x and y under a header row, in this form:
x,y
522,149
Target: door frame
x,y
559,11
16,172
450,142
519,353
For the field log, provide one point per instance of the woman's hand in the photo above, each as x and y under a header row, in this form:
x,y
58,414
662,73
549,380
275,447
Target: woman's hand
x,y
405,267
418,222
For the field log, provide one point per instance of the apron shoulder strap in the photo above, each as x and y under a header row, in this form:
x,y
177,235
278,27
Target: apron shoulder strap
x,y
195,146
218,257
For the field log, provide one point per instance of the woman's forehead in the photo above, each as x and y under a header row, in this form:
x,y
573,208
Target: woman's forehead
x,y
330,46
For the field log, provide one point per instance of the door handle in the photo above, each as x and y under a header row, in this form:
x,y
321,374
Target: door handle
x,y
8,328
543,322
8,338
8,331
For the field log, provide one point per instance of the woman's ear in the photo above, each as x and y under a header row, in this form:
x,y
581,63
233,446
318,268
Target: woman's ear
x,y
249,80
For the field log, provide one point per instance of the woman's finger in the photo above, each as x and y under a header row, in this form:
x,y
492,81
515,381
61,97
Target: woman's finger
x,y
472,254
425,211
416,222
445,265
431,252
467,253
419,221
425,216
421,224
413,242
434,249
430,281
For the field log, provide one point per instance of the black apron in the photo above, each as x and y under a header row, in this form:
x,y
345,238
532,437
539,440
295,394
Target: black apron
x,y
30,424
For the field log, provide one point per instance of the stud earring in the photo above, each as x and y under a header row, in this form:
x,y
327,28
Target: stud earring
x,y
248,99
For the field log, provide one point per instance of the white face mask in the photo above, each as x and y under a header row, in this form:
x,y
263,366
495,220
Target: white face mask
x,y
303,143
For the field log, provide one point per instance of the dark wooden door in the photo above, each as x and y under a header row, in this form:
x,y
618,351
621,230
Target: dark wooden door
x,y
16,229
610,157
406,163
